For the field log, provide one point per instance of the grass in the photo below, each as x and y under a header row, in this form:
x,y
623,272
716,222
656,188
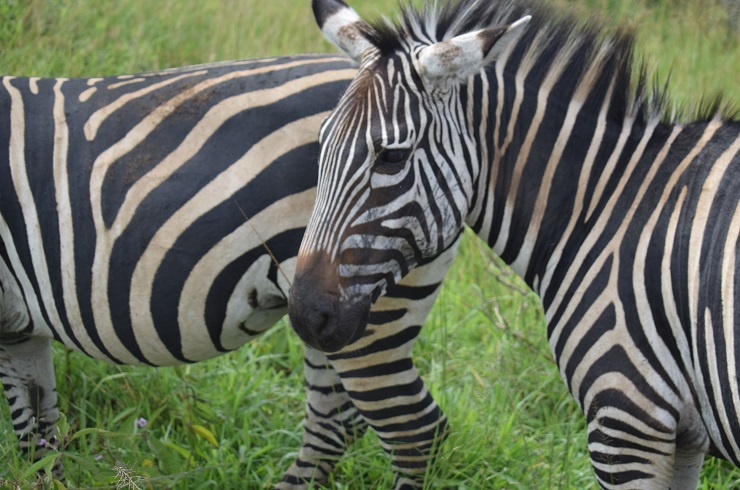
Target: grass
x,y
234,421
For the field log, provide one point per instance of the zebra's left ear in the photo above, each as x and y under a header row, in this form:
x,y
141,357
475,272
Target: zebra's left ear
x,y
458,58
342,27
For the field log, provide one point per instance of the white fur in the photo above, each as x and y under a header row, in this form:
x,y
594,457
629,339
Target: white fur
x,y
342,30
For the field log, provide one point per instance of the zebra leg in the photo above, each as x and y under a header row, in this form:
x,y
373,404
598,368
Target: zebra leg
x,y
382,381
332,423
634,444
692,443
387,390
27,375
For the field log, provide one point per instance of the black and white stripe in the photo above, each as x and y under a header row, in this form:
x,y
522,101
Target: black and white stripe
x,y
155,219
622,216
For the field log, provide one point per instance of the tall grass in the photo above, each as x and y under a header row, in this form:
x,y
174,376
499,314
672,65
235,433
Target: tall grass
x,y
234,422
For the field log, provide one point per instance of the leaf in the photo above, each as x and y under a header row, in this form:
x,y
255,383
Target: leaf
x,y
41,463
62,426
124,414
169,455
90,430
204,433
181,450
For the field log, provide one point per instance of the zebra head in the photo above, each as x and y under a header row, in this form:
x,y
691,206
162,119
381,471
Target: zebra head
x,y
397,166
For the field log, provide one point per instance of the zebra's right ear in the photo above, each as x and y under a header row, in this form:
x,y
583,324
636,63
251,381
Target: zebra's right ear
x,y
342,27
455,59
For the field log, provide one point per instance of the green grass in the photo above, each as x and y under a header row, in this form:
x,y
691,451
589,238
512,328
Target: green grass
x,y
483,351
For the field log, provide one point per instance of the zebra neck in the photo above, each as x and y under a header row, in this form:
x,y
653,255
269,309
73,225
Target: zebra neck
x,y
556,169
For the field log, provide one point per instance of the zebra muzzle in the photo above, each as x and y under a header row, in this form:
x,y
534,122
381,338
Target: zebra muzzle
x,y
318,315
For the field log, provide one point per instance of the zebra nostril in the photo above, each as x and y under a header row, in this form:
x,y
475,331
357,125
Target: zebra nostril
x,y
321,318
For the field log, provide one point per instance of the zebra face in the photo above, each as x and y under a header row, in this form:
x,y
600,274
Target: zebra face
x,y
372,225
396,171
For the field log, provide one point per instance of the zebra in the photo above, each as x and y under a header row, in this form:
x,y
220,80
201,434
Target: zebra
x,y
154,219
619,210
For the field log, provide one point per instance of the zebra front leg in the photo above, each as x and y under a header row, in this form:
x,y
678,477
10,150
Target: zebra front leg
x,y
378,373
332,423
398,406
27,375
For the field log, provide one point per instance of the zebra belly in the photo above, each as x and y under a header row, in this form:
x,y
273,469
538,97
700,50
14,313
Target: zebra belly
x,y
254,305
167,308
232,294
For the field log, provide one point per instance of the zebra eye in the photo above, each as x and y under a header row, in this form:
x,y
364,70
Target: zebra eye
x,y
392,156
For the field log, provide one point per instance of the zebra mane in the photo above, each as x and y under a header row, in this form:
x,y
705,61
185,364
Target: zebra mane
x,y
587,48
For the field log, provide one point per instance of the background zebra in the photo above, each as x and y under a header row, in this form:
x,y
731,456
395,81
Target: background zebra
x,y
154,219
622,216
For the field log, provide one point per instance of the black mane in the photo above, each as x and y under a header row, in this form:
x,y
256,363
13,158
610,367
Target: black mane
x,y
633,94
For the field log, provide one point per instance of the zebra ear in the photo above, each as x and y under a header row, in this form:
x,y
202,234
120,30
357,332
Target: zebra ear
x,y
458,58
342,27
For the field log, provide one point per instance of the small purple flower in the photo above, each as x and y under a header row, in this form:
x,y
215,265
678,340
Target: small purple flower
x,y
141,422
42,442
98,457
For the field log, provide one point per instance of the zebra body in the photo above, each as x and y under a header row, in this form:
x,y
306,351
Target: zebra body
x,y
152,215
625,221
154,219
